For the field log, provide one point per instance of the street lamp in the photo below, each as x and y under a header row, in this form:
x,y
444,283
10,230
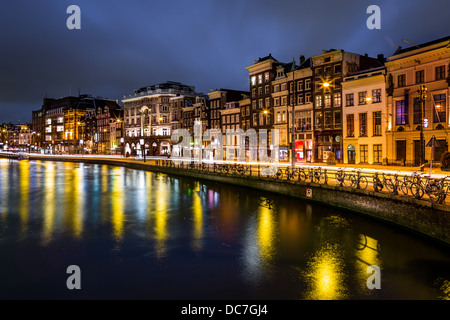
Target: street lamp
x,y
142,142
82,147
422,96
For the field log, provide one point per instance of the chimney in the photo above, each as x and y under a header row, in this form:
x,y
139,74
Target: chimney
x,y
380,58
302,59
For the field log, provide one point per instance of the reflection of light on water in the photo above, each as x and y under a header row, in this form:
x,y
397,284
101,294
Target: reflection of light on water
x,y
266,233
117,199
444,289
24,172
79,198
324,275
161,217
259,245
49,203
198,218
367,255
4,189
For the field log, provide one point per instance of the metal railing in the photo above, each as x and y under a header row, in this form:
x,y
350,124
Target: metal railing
x,y
416,185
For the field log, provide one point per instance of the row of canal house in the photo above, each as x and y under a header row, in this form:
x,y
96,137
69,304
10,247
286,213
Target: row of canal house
x,y
363,109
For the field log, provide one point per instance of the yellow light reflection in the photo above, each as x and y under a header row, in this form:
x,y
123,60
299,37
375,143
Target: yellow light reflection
x,y
367,254
161,217
118,200
325,276
79,198
24,183
49,203
197,209
266,233
4,174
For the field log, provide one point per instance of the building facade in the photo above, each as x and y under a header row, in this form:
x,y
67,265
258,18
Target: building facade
x,y
329,68
149,115
364,117
412,114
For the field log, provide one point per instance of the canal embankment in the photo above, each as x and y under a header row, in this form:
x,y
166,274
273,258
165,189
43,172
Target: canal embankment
x,y
431,220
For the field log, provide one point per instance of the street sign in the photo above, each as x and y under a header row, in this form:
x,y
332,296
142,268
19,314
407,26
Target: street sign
x,y
433,142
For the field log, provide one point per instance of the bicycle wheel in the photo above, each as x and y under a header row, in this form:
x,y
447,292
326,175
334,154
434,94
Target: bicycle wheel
x,y
404,187
363,183
294,174
434,192
339,179
323,178
416,190
301,176
377,186
389,185
349,180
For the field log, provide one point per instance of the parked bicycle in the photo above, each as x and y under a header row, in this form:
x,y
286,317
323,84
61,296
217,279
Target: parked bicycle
x,y
405,185
356,180
425,186
340,176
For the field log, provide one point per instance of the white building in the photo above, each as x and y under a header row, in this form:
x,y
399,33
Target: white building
x,y
364,117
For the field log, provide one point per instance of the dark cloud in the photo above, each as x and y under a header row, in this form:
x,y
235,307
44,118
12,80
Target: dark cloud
x,y
124,45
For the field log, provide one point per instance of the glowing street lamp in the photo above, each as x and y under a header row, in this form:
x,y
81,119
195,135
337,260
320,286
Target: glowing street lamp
x,y
142,142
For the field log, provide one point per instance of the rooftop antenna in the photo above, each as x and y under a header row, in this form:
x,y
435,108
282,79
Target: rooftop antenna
x,y
411,43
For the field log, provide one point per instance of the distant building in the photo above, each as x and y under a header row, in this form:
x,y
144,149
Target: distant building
x,y
59,124
150,115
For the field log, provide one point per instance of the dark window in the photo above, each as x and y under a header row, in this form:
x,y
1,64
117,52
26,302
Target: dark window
x,y
364,153
401,80
350,125
377,123
362,97
440,73
401,150
416,111
420,78
377,153
349,99
363,124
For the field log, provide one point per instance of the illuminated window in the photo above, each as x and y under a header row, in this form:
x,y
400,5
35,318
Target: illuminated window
x,y
253,80
327,100
318,101
337,100
401,112
267,77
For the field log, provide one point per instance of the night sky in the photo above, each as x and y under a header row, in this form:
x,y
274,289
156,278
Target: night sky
x,y
125,45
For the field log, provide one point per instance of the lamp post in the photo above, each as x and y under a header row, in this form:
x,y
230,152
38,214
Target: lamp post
x,y
422,96
142,142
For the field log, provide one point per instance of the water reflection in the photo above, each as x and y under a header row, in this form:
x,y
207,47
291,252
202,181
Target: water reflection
x,y
117,203
325,276
48,205
197,210
24,170
161,216
268,246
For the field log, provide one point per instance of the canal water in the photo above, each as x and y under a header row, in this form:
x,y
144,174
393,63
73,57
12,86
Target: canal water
x,y
142,235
